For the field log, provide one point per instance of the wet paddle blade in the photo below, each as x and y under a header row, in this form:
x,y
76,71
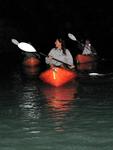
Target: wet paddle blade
x,y
14,41
26,47
72,37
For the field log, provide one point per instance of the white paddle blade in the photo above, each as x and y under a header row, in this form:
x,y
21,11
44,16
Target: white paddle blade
x,y
26,47
72,37
14,41
96,74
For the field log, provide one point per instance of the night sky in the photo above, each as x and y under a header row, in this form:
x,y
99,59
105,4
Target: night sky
x,y
41,21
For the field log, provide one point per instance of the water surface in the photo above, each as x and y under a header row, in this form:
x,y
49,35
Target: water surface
x,y
35,115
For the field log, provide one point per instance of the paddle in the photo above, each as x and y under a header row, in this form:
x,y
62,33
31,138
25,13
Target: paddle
x,y
29,48
24,46
94,74
72,37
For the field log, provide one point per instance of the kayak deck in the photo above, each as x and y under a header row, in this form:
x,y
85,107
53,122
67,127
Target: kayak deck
x,y
57,76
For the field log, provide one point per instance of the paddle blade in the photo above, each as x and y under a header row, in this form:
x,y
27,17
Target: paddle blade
x,y
14,41
26,47
72,37
96,74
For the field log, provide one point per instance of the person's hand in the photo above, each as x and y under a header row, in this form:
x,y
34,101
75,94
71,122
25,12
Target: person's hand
x,y
50,58
72,66
52,66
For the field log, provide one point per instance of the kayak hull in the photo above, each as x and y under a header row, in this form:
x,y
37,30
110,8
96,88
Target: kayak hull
x,y
84,58
31,61
57,76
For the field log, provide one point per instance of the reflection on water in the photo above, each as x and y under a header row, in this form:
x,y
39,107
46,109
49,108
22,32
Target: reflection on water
x,y
60,98
60,101
30,106
92,66
31,71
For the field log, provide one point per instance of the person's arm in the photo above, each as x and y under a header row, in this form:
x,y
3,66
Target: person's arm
x,y
69,59
53,54
48,59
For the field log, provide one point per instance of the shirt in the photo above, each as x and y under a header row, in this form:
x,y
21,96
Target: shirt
x,y
59,55
87,50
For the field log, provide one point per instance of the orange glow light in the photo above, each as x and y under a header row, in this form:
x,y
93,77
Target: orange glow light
x,y
57,76
32,61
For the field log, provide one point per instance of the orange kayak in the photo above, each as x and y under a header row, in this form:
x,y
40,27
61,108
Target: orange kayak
x,y
31,61
57,76
84,58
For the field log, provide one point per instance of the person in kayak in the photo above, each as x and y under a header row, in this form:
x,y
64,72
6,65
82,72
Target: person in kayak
x,y
88,49
61,53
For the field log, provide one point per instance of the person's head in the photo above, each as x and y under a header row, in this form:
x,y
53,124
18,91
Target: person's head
x,y
87,42
59,43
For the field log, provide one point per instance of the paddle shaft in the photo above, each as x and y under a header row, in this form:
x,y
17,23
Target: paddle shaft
x,y
54,58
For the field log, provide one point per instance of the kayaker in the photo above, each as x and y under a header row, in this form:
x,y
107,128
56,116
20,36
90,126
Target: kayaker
x,y
60,52
88,49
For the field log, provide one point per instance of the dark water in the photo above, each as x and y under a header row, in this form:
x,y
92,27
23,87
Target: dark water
x,y
37,116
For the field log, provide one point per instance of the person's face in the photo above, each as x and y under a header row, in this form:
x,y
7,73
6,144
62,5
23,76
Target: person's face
x,y
87,42
58,44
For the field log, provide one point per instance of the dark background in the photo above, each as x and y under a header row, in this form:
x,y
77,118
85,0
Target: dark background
x,y
41,21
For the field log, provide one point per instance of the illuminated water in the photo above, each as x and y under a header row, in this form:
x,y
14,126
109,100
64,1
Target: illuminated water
x,y
36,116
